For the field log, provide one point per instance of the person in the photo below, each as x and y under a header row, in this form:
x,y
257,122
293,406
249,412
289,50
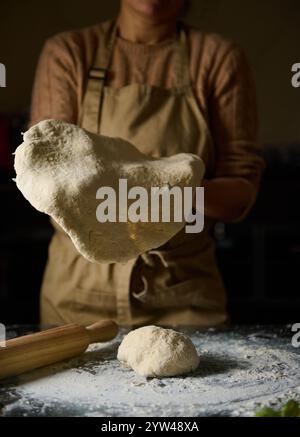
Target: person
x,y
167,88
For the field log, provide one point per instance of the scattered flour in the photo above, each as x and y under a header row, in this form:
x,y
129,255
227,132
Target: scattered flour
x,y
238,373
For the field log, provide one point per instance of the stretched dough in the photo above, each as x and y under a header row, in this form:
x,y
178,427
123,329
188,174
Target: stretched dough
x,y
152,351
60,167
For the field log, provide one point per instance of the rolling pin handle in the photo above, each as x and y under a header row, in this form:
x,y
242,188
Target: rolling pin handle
x,y
102,331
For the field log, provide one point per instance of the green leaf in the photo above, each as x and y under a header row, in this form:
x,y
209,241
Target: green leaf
x,y
267,412
291,409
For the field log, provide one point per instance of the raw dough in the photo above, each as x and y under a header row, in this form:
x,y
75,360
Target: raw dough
x,y
60,167
152,351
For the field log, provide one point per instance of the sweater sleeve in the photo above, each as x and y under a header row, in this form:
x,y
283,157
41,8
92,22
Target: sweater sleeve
x,y
234,123
55,93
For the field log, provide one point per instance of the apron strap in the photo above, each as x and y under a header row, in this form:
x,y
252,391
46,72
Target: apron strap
x,y
90,116
182,66
97,77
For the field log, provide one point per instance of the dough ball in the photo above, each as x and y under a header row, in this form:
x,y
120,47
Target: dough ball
x,y
156,352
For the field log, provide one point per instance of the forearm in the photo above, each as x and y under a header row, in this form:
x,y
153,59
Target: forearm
x,y
226,199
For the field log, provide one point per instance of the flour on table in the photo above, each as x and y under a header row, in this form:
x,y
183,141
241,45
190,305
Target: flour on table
x,y
237,374
152,351
60,168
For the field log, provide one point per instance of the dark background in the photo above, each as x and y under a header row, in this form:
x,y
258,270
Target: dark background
x,y
259,258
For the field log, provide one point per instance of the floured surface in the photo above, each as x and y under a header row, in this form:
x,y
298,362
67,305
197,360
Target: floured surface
x,y
239,371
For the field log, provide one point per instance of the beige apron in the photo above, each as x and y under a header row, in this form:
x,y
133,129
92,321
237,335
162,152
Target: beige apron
x,y
179,284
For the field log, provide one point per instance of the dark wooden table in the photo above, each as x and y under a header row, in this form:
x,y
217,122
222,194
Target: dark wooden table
x,y
241,370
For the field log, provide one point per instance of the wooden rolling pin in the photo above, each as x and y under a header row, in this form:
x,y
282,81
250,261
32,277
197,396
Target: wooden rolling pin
x,y
51,346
